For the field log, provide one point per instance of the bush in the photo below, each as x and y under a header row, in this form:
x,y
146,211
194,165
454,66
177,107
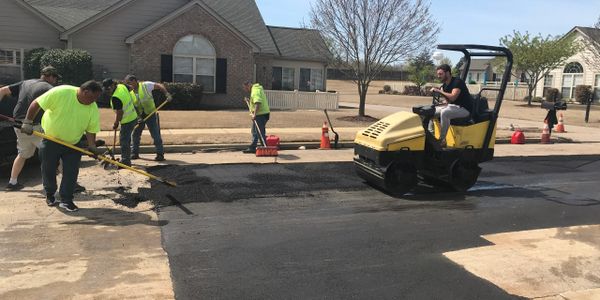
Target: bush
x,y
412,90
31,62
381,91
186,96
552,94
394,92
387,89
472,82
535,99
583,93
75,65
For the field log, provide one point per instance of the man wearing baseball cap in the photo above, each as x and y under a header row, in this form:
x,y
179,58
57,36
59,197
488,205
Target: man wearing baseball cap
x,y
27,91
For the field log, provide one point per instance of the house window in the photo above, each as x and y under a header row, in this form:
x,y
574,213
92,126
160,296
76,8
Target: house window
x,y
311,79
194,61
548,80
10,57
572,77
478,77
597,87
283,78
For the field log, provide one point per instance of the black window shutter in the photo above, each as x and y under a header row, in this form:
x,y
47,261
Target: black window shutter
x,y
221,76
166,68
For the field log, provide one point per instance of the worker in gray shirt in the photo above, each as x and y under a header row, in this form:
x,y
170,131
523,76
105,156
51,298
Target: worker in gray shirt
x,y
27,91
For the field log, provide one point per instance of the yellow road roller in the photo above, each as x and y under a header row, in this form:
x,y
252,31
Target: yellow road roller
x,y
400,151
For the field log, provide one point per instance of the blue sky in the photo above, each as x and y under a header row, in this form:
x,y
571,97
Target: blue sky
x,y
470,21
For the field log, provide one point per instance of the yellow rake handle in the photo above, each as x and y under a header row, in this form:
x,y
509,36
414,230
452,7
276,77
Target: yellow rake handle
x,y
104,158
153,112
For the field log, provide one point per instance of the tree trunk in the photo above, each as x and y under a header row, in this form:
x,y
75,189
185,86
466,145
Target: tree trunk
x,y
530,91
362,92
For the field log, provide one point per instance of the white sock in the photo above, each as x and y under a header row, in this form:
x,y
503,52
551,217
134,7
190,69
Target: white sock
x,y
13,181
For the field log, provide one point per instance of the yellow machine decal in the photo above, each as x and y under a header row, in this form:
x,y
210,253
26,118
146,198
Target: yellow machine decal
x,y
394,132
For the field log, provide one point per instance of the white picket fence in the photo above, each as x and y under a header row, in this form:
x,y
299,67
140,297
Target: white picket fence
x,y
302,100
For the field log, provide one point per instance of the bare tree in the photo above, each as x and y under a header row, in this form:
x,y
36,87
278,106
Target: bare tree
x,y
591,47
365,36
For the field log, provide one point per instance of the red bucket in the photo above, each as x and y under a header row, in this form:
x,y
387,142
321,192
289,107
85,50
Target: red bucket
x,y
273,140
517,137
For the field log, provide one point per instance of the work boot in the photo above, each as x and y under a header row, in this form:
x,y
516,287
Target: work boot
x,y
159,157
14,187
249,151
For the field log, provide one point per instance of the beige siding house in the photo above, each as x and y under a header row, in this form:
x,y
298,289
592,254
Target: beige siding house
x,y
217,43
576,70
22,27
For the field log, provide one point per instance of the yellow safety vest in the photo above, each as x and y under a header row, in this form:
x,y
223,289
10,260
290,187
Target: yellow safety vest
x,y
144,102
122,93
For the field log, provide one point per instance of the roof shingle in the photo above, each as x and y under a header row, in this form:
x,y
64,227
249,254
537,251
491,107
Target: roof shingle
x,y
69,13
300,43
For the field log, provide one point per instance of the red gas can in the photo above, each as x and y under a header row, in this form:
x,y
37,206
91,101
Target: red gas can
x,y
273,140
518,137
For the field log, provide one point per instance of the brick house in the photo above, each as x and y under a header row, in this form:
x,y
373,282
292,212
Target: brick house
x,y
218,43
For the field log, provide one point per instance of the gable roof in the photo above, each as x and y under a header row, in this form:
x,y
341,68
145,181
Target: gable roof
x,y
245,16
42,16
591,32
183,9
300,43
69,13
242,17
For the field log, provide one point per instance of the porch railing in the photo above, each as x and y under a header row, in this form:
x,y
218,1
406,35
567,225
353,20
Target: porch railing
x,y
302,100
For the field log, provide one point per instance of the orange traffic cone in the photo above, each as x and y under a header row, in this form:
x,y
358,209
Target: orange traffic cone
x,y
545,134
325,143
561,125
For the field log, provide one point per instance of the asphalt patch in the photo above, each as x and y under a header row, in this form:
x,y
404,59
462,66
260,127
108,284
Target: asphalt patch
x,y
233,182
130,200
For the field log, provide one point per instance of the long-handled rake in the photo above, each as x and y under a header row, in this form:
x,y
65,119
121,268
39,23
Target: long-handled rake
x,y
111,151
104,158
86,152
150,114
337,137
263,150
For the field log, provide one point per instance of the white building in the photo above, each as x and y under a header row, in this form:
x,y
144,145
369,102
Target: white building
x,y
576,71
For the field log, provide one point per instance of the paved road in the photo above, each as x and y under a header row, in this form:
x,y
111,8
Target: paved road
x,y
316,231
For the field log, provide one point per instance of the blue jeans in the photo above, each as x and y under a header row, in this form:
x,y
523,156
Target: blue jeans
x,y
50,153
125,140
154,129
262,123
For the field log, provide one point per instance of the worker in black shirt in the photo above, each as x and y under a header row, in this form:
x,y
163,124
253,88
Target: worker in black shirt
x,y
27,91
122,103
458,100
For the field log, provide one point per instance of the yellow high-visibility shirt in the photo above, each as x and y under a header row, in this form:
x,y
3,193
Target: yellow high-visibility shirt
x,y
65,118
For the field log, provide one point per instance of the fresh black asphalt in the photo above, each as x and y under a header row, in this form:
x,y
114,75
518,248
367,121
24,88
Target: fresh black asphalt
x,y
317,231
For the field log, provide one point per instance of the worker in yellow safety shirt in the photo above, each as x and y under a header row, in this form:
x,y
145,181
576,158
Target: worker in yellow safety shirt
x,y
145,106
121,101
259,111
69,112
